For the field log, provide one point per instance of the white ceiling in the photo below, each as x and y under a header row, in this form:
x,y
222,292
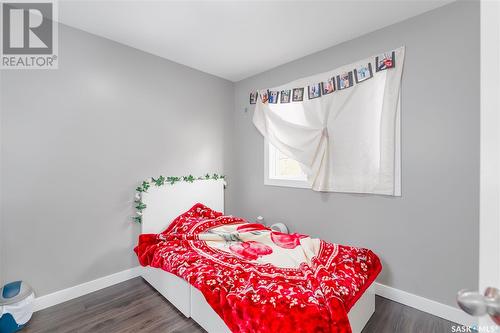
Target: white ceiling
x,y
236,39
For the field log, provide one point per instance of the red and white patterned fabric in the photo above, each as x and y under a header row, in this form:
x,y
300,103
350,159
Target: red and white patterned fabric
x,y
258,280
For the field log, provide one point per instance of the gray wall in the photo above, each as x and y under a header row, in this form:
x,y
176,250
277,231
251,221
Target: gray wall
x,y
77,140
428,238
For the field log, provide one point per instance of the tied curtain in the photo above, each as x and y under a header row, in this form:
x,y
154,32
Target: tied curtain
x,y
347,140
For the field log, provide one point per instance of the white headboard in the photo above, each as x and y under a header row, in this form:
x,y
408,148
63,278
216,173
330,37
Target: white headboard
x,y
169,201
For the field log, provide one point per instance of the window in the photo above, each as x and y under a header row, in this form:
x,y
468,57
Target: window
x,y
280,170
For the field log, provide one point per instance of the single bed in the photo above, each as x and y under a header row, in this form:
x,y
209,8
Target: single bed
x,y
167,202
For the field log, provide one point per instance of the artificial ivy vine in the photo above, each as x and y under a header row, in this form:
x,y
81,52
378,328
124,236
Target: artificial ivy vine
x,y
161,181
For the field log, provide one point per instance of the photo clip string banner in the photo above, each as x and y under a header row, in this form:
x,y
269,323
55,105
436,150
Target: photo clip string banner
x,y
342,126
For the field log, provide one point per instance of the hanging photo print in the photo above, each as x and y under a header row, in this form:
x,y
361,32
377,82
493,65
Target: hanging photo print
x,y
253,97
264,96
385,61
273,97
298,95
328,86
285,96
363,72
344,80
314,91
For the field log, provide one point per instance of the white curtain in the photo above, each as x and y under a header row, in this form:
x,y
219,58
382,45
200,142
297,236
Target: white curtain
x,y
345,141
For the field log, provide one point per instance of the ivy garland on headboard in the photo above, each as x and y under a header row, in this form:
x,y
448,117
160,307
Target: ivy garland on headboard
x,y
161,181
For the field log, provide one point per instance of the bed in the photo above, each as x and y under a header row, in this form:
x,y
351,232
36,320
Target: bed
x,y
164,204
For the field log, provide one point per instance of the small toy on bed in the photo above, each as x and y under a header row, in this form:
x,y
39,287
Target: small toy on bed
x,y
281,227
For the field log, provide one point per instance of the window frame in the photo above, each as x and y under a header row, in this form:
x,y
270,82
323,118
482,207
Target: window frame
x,y
284,182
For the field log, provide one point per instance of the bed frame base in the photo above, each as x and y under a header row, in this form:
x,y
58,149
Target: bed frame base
x,y
191,302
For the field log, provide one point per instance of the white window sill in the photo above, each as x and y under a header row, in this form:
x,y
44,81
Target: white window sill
x,y
286,183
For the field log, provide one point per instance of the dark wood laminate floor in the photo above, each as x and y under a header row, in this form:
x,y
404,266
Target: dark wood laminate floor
x,y
134,306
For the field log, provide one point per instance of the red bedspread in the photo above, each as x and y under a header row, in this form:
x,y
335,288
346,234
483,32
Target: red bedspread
x,y
259,280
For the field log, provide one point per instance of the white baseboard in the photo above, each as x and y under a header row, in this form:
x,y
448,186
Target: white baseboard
x,y
64,295
420,303
426,305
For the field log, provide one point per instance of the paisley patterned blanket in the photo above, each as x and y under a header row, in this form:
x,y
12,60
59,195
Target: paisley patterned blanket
x,y
258,280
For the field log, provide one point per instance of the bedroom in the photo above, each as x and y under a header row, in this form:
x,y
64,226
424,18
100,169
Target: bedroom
x,y
134,91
